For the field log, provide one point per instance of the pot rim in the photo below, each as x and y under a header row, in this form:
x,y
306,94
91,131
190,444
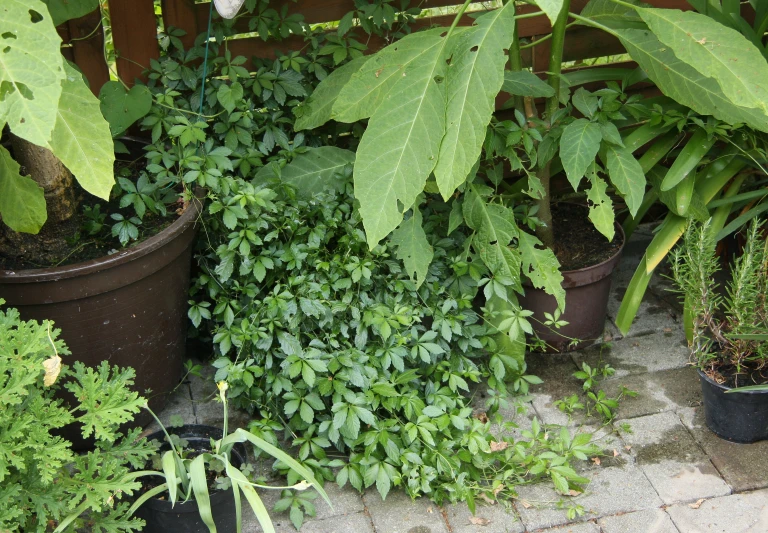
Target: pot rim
x,y
177,227
725,388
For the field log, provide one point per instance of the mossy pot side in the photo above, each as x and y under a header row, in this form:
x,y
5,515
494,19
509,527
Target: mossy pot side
x,y
586,304
129,308
738,417
184,517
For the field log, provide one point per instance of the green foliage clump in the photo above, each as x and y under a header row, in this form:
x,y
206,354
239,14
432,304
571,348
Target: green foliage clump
x,y
334,342
728,329
43,483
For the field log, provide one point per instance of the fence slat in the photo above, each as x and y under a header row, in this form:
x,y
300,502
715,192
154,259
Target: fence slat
x,y
134,30
183,14
88,53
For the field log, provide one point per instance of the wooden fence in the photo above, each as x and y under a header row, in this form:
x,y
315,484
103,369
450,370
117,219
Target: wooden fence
x,y
134,33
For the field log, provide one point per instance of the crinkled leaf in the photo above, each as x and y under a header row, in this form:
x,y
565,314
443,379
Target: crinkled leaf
x,y
626,175
601,207
541,267
413,249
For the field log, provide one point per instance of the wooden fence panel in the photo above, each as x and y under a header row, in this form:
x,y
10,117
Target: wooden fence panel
x,y
134,30
184,14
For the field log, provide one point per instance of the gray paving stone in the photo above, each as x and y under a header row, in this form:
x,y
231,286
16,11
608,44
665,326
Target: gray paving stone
x,y
672,460
639,354
657,392
648,521
582,527
345,501
399,514
352,523
499,519
735,462
611,490
556,370
653,316
738,513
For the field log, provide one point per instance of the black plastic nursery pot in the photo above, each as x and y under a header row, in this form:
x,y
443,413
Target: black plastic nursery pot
x,y
129,308
586,304
184,517
737,417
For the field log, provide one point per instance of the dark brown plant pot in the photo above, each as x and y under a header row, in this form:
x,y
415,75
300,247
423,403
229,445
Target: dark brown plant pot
x,y
737,417
586,305
129,308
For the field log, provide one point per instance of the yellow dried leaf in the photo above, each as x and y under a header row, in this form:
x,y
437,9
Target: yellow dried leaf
x,y
477,521
52,367
498,446
697,504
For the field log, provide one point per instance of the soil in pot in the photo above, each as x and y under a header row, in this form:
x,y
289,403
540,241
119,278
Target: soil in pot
x,y
587,260
184,517
739,416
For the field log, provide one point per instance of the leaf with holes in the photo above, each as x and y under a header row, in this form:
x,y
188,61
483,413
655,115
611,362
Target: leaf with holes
x,y
400,146
31,70
473,80
22,203
413,249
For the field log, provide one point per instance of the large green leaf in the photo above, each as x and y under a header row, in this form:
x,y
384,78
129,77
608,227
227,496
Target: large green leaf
x,y
122,107
579,146
81,138
626,175
369,86
31,70
685,84
495,229
601,207
316,110
400,146
541,267
613,15
474,79
22,202
551,7
64,10
413,249
314,171
715,50
525,83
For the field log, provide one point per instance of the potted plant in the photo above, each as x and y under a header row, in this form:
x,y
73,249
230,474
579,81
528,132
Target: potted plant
x,y
45,484
203,476
430,98
129,304
729,328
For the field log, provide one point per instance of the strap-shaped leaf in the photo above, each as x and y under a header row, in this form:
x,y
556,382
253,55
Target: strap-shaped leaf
x,y
313,171
601,207
542,267
199,484
22,202
317,109
81,138
400,147
496,231
716,50
31,70
525,83
683,83
473,80
369,86
579,146
626,175
413,248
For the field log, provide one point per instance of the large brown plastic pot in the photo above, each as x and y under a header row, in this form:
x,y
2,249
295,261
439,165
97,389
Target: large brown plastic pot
x,y
128,308
586,304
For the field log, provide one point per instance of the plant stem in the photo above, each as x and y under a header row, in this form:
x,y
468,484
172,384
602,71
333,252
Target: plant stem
x,y
545,231
516,63
457,18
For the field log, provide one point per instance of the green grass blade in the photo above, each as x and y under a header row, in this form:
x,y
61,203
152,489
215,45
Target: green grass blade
x,y
169,469
151,493
262,515
633,297
200,487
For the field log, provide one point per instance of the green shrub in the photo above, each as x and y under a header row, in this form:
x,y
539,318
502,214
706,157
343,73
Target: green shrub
x,y
43,483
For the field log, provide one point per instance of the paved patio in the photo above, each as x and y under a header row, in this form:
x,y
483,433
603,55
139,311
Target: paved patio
x,y
667,474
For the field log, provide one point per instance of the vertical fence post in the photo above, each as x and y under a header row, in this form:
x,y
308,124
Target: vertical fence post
x,y
134,30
